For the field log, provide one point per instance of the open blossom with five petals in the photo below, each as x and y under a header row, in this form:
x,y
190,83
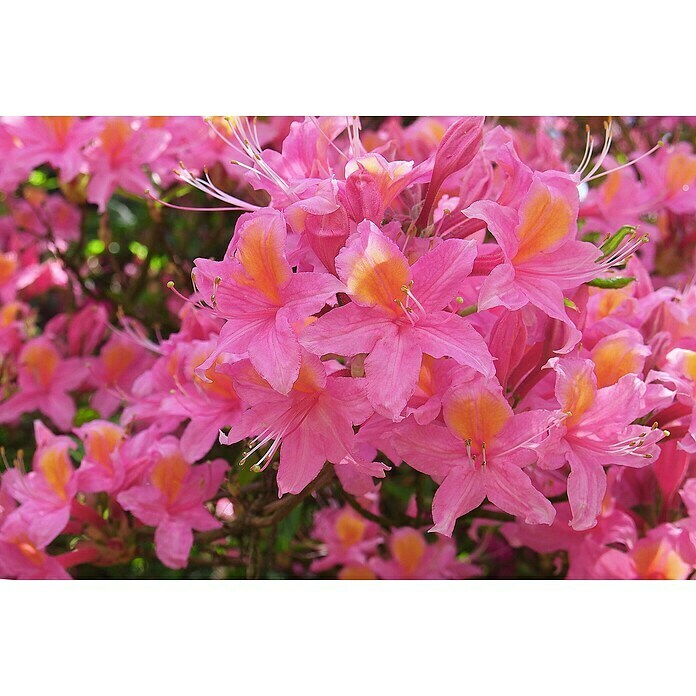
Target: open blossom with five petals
x,y
397,315
479,454
310,425
45,379
261,299
596,431
99,469
121,361
211,403
540,255
172,500
117,155
347,538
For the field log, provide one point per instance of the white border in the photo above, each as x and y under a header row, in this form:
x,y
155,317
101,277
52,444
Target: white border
x,y
269,57
108,637
363,56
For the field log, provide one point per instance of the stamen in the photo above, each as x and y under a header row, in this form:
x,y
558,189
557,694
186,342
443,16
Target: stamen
x,y
587,155
3,456
467,444
406,310
406,289
243,134
660,143
216,284
605,150
196,303
554,421
134,333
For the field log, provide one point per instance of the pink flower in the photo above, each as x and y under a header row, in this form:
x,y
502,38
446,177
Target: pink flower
x,y
117,157
586,548
620,200
540,254
121,361
670,176
99,467
347,538
210,402
22,551
255,290
172,500
412,558
657,557
224,510
596,431
12,169
46,492
481,453
56,140
44,382
397,315
311,425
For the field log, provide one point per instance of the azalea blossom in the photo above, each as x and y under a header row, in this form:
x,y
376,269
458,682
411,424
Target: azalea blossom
x,y
397,315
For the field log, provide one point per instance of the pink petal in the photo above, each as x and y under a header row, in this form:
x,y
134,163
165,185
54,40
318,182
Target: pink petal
x,y
500,288
145,502
18,404
301,460
60,408
460,492
458,146
173,541
431,449
200,435
347,330
443,334
275,355
306,293
587,484
439,275
235,337
502,223
392,369
511,489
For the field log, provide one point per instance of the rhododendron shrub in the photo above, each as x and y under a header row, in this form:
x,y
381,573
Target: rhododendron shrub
x,y
341,347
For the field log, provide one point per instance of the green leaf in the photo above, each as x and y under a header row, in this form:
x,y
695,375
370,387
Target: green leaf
x,y
570,303
612,283
612,244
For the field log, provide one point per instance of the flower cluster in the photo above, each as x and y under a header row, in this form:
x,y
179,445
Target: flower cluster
x,y
465,348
